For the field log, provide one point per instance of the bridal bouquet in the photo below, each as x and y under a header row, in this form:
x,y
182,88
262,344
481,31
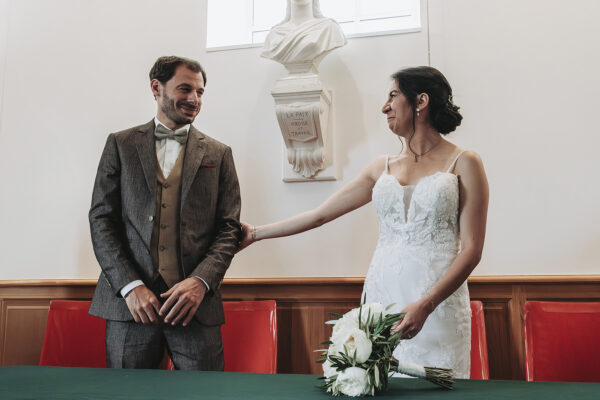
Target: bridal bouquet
x,y
359,358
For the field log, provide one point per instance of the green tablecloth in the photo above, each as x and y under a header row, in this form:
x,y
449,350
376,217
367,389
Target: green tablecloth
x,y
88,383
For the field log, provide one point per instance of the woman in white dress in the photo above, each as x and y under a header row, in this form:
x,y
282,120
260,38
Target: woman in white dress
x,y
431,201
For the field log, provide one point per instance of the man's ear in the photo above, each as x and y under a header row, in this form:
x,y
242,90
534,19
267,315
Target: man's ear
x,y
155,86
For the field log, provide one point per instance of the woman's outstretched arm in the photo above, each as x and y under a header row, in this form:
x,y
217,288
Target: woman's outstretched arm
x,y
353,195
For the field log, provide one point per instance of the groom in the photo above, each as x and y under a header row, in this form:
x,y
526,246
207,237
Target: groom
x,y
165,225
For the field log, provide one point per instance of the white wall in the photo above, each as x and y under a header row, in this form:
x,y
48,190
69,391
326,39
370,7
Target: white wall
x,y
526,73
76,71
3,43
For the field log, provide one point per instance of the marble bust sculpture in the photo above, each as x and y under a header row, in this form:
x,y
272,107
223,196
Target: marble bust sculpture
x,y
304,36
302,104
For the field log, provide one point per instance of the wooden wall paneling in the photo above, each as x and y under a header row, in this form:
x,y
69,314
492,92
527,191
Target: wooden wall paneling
x,y
284,341
496,320
24,324
304,323
515,332
308,330
495,298
580,291
23,313
503,300
303,307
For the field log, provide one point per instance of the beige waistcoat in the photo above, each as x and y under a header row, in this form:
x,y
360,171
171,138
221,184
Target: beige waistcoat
x,y
165,233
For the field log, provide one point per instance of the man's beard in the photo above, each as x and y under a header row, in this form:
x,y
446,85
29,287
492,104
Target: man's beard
x,y
169,109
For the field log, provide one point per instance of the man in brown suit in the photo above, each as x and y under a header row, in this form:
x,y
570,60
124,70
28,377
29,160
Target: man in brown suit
x,y
165,225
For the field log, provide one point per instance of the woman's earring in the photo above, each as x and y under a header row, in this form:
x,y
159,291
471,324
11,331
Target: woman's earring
x,y
418,112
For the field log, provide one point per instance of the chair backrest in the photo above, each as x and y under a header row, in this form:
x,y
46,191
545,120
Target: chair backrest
x,y
562,341
73,337
249,337
480,368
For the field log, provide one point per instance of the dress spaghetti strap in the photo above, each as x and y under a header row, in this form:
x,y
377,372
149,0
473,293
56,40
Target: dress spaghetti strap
x,y
454,162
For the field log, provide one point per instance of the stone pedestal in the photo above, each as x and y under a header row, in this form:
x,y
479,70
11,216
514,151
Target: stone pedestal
x,y
303,107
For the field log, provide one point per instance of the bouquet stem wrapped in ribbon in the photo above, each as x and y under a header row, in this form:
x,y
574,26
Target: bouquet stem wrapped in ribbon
x,y
359,358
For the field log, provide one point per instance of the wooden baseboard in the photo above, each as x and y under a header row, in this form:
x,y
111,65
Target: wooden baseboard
x,y
303,306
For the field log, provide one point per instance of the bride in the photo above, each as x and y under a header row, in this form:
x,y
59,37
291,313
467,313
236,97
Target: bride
x,y
431,201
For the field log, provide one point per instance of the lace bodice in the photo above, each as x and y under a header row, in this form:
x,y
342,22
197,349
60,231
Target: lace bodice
x,y
431,216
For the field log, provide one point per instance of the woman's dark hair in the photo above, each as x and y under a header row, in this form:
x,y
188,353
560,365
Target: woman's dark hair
x,y
443,114
164,68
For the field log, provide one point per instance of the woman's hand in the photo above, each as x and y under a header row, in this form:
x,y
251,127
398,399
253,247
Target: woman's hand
x,y
416,314
248,236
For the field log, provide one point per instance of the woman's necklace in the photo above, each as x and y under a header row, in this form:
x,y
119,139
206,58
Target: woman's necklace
x,y
422,154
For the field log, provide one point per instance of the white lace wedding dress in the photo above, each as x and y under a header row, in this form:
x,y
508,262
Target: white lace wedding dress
x,y
418,240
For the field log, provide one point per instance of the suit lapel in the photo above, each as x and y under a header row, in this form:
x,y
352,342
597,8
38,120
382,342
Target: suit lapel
x,y
147,152
194,153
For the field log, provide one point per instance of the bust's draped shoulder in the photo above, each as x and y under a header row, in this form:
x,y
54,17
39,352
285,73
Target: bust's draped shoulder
x,y
303,43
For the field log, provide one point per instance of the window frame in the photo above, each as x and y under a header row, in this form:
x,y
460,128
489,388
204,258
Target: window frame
x,y
351,36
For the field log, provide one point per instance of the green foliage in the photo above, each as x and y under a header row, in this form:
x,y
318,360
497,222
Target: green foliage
x,y
380,362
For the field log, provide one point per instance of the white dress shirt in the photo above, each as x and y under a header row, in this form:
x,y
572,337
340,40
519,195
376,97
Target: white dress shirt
x,y
167,152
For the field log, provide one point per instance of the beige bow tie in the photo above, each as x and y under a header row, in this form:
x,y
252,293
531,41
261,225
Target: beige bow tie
x,y
162,132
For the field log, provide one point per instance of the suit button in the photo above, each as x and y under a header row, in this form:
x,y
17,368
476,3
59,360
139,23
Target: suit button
x,y
163,226
162,248
150,218
164,205
166,185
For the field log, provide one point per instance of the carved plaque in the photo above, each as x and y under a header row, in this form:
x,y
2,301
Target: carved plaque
x,y
297,121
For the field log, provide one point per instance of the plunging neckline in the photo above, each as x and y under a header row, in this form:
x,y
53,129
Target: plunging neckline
x,y
409,205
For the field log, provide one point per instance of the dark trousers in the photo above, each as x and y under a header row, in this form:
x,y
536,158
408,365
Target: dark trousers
x,y
193,347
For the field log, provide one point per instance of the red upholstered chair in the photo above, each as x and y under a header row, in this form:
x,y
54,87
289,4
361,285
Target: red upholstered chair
x,y
73,337
249,336
480,368
562,341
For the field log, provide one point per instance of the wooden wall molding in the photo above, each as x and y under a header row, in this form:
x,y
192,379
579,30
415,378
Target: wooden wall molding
x,y
303,307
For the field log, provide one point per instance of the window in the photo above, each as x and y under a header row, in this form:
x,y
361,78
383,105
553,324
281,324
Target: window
x,y
245,23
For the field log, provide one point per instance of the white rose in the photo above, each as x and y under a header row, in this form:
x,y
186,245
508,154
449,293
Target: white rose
x,y
328,370
341,329
356,341
352,315
333,349
353,382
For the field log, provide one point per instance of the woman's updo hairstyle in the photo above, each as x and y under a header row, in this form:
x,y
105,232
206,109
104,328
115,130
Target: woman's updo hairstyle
x,y
443,114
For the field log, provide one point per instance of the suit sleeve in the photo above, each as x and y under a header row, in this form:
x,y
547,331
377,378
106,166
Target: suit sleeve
x,y
228,229
106,224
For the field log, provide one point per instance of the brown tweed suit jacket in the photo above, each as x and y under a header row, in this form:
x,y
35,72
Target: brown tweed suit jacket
x,y
123,209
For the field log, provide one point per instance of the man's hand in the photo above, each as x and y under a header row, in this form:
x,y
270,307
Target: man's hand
x,y
183,299
143,305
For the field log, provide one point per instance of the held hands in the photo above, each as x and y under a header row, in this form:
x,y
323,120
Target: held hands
x,y
248,236
183,299
416,314
143,305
